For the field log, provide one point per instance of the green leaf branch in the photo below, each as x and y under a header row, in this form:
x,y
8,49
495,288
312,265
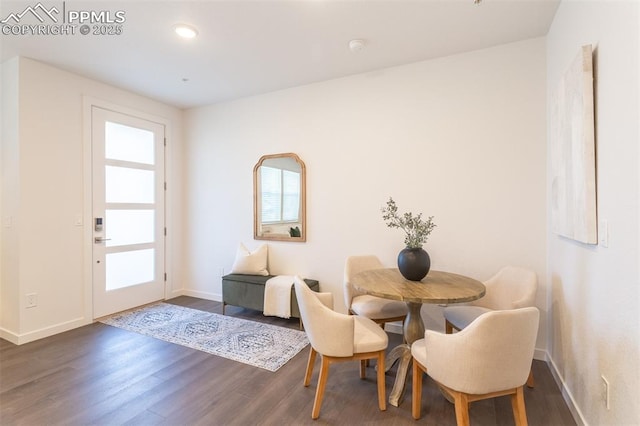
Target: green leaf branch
x,y
416,229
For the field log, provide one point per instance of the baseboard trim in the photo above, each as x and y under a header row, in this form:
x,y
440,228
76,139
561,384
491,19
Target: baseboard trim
x,y
216,297
540,355
393,327
566,393
19,339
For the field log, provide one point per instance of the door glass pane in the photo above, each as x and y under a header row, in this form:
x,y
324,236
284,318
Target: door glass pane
x,y
127,185
128,143
129,268
129,227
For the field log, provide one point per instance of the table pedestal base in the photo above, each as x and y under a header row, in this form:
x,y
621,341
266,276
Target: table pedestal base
x,y
436,287
413,330
413,327
400,353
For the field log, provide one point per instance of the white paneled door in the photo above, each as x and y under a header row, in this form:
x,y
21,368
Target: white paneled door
x,y
128,211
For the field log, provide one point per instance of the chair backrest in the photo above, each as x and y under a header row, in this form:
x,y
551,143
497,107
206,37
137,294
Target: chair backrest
x,y
510,288
354,265
492,353
329,332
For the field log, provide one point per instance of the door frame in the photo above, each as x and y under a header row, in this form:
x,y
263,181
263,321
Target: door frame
x,y
88,103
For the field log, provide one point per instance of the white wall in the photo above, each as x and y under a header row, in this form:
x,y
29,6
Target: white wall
x,y
46,247
9,190
595,291
461,138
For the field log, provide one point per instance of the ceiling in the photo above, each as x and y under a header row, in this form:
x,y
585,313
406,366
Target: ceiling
x,y
246,48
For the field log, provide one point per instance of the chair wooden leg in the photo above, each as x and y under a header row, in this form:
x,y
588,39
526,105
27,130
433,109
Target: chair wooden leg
x,y
382,397
366,361
462,408
416,398
519,411
530,381
322,383
310,363
448,327
363,368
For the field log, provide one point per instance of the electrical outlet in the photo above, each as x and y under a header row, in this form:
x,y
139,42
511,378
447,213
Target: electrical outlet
x,y
605,391
32,300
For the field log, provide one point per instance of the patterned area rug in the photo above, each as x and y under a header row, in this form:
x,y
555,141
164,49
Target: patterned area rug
x,y
261,345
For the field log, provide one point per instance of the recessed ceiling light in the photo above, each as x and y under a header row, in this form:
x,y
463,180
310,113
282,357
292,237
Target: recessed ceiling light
x,y
185,31
356,45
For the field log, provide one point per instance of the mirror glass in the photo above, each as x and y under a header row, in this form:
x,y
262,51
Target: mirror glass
x,y
279,198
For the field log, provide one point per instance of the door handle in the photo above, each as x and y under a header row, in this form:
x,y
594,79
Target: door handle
x,y
99,240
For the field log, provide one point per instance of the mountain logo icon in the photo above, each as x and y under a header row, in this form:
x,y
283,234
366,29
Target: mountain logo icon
x,y
39,11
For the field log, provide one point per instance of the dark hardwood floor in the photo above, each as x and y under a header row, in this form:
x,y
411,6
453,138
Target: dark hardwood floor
x,y
101,375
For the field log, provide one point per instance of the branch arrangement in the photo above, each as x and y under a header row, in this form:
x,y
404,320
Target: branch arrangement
x,y
415,228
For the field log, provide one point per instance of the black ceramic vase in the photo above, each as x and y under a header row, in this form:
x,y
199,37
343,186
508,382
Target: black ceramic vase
x,y
414,263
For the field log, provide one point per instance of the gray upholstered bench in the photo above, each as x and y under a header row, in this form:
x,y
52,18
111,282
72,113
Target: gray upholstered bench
x,y
247,291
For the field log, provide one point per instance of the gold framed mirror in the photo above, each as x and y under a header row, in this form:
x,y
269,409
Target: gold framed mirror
x,y
279,198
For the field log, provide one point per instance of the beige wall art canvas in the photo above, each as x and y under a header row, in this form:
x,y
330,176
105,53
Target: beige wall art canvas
x,y
573,191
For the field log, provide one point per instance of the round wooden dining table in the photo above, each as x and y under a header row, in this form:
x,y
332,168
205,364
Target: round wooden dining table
x,y
437,287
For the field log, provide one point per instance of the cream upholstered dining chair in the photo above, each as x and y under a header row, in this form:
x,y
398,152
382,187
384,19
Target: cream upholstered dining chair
x,y
338,337
489,358
511,288
378,309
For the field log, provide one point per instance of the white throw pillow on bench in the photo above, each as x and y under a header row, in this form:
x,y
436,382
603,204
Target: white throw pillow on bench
x,y
250,263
